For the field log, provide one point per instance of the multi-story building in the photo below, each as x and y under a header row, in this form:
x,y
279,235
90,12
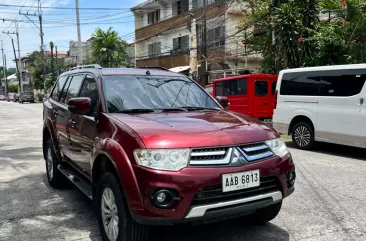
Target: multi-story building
x,y
163,37
73,53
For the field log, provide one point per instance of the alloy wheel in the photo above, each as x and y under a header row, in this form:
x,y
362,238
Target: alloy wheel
x,y
49,164
110,214
302,136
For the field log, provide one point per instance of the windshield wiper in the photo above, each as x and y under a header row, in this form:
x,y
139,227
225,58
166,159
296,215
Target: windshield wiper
x,y
193,108
130,111
172,109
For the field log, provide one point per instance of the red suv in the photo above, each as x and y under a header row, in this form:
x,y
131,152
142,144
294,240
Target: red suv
x,y
151,147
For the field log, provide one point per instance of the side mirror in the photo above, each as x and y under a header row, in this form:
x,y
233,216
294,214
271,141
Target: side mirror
x,y
224,101
80,105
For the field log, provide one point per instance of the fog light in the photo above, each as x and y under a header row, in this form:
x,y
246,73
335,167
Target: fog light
x,y
291,176
163,198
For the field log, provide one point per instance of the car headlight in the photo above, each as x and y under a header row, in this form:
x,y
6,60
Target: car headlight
x,y
162,159
278,147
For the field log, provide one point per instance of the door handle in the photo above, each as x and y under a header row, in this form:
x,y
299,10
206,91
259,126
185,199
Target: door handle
x,y
55,112
72,122
265,103
362,101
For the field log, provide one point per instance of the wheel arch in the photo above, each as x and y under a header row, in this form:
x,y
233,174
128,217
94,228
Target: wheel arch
x,y
300,118
49,133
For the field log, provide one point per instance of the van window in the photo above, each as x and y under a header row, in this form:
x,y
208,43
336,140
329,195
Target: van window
x,y
274,85
231,87
300,83
56,93
337,83
261,88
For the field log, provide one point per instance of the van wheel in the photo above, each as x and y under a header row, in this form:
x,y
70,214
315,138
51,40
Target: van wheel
x,y
115,221
303,135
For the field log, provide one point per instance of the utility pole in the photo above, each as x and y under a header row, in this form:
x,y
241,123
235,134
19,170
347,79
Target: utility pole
x,y
79,34
52,63
2,56
18,43
193,50
16,63
6,80
56,62
41,35
204,46
276,4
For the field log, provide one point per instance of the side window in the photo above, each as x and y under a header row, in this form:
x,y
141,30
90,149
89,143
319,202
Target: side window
x,y
300,83
89,89
74,87
261,88
64,90
274,85
343,84
56,93
231,87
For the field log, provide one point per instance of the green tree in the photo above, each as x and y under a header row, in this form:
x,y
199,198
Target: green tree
x,y
108,49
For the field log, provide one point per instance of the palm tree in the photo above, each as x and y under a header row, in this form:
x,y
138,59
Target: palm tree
x,y
108,49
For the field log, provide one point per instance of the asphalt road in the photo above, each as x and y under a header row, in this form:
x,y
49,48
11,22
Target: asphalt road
x,y
329,202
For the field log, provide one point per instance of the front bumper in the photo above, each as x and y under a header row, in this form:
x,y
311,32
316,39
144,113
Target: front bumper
x,y
189,181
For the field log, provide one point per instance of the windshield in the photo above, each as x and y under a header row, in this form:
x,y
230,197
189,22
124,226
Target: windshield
x,y
153,92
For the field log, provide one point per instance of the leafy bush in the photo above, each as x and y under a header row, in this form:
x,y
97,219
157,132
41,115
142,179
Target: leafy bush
x,y
39,97
13,88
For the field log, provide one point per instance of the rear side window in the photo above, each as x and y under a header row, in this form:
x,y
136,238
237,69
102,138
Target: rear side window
x,y
261,88
300,83
336,83
56,93
231,87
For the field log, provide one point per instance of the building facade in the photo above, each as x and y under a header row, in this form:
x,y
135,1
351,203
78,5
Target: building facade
x,y
73,54
163,35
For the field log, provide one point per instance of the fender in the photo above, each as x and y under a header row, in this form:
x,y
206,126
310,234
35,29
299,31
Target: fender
x,y
117,155
48,124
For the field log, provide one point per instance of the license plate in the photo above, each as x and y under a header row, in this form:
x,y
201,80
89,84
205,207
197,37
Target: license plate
x,y
240,180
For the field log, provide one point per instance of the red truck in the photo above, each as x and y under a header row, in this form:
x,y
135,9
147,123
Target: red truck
x,y
251,94
151,147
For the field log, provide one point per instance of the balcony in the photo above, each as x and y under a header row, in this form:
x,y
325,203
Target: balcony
x,y
212,11
167,61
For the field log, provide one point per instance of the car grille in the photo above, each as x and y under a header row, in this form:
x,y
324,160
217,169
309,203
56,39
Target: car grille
x,y
223,155
214,194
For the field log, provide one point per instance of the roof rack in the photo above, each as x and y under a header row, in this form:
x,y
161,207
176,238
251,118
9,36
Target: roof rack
x,y
153,67
89,66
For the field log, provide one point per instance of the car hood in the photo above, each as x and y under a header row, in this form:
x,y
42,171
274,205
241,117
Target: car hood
x,y
196,129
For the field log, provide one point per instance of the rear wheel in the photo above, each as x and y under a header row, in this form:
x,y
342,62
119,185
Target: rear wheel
x,y
303,135
115,221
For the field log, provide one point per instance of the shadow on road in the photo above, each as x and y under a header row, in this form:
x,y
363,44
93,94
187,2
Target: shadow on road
x,y
336,150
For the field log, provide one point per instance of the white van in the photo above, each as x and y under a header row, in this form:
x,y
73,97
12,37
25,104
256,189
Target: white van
x,y
322,104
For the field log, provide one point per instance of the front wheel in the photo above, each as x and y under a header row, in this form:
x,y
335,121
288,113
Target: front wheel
x,y
54,176
264,215
303,135
115,221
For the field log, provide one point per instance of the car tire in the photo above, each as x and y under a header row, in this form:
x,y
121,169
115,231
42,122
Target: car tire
x,y
115,213
264,215
303,135
55,178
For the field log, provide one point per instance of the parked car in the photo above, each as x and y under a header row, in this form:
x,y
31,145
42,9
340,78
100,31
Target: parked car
x,y
26,97
322,104
10,97
16,97
209,88
151,147
45,97
251,94
2,97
